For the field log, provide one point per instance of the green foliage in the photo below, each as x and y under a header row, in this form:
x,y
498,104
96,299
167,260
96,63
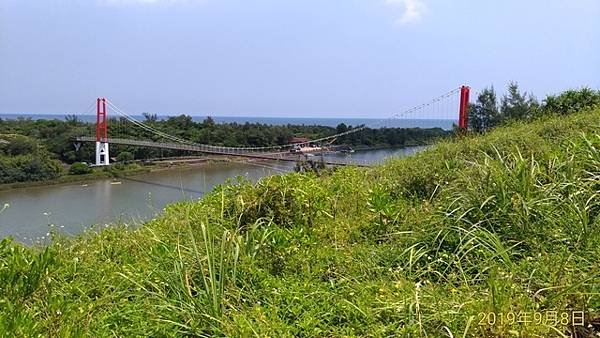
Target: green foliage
x,y
484,114
55,140
125,157
571,101
73,120
310,165
122,166
15,145
22,159
22,273
57,136
503,223
150,117
79,168
516,105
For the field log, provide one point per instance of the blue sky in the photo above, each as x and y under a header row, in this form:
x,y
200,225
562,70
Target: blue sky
x,y
354,58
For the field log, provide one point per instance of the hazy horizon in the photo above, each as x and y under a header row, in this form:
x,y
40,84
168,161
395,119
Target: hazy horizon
x,y
93,115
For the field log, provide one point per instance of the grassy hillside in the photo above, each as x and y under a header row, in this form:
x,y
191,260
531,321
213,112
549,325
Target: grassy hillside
x,y
431,245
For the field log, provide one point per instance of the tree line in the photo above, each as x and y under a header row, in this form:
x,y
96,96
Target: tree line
x,y
57,136
34,150
488,111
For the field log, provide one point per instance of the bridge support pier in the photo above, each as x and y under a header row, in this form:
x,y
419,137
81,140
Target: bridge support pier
x,y
102,155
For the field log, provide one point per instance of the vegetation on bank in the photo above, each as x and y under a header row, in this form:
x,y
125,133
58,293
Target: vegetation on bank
x,y
484,236
25,162
80,172
57,136
23,159
69,179
32,150
53,141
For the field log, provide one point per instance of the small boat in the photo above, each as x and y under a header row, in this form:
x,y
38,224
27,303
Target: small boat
x,y
84,185
117,182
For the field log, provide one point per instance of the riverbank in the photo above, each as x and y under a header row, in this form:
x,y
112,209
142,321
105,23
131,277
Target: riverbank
x,y
138,198
151,165
65,179
104,173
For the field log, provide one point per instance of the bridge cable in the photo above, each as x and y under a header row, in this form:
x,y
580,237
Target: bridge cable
x,y
232,150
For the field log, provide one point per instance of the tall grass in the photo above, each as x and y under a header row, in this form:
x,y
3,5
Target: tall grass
x,y
418,247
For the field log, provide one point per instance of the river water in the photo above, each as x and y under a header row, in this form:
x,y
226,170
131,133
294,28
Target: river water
x,y
33,213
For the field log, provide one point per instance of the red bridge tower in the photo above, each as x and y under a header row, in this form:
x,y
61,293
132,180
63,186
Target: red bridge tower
x,y
463,113
102,155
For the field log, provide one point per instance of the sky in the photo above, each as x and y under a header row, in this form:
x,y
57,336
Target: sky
x,y
288,58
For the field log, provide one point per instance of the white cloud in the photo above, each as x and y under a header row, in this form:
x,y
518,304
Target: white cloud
x,y
413,10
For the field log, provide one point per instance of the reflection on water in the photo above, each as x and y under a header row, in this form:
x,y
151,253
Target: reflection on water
x,y
379,155
70,209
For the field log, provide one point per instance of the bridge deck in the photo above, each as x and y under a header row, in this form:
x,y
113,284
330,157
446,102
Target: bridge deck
x,y
225,151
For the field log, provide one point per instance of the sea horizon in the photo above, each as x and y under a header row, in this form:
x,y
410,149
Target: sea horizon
x,y
269,120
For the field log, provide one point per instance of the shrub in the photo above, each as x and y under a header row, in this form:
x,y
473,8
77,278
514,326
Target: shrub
x,y
13,145
24,168
125,157
79,168
571,101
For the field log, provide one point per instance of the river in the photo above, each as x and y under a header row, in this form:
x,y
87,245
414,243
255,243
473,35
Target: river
x,y
33,213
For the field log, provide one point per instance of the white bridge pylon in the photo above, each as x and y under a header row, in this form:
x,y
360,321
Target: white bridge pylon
x,y
102,154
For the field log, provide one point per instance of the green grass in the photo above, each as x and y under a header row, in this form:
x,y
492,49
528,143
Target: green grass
x,y
504,223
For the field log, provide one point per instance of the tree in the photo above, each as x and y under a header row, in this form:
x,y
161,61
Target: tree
x,y
22,159
79,168
70,156
14,145
125,157
484,113
208,122
516,105
72,120
180,123
571,101
150,117
341,128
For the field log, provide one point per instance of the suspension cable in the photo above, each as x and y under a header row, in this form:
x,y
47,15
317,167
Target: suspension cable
x,y
224,149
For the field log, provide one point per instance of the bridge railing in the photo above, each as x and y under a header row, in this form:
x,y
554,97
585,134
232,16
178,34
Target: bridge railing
x,y
282,155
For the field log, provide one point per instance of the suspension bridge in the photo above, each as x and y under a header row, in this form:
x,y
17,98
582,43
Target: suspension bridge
x,y
446,106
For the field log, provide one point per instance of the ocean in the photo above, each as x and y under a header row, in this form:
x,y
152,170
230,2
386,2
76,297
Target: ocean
x,y
326,121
